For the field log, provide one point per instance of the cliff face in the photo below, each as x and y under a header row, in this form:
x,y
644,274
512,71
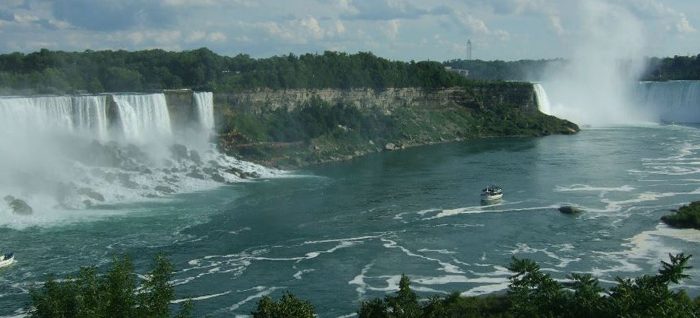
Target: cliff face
x,y
303,126
479,97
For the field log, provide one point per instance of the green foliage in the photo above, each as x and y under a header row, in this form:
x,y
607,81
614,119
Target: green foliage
x,y
522,70
202,69
532,293
114,294
673,68
687,216
289,306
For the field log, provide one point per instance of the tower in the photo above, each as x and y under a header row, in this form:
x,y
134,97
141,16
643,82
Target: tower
x,y
469,49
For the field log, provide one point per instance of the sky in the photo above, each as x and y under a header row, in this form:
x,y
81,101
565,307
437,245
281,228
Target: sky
x,y
395,29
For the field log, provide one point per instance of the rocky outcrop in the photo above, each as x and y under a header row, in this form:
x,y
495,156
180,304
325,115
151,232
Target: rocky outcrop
x,y
296,127
18,206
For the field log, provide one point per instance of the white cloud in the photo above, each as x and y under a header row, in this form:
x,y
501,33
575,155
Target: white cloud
x,y
312,27
392,29
683,26
216,37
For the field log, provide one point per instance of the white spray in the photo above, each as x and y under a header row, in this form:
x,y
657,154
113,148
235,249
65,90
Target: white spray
x,y
597,86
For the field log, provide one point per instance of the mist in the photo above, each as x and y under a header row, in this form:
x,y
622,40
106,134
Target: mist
x,y
596,87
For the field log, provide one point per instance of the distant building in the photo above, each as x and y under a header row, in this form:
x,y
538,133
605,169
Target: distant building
x,y
461,71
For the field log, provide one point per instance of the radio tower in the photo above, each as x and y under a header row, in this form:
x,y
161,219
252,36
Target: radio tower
x,y
469,50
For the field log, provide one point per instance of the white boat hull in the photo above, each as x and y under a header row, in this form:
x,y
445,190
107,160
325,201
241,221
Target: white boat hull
x,y
491,197
7,262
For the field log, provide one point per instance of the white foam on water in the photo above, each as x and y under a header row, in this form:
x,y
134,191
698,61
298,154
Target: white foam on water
x,y
359,280
444,266
484,209
442,251
298,274
198,298
349,239
589,188
263,291
485,289
522,248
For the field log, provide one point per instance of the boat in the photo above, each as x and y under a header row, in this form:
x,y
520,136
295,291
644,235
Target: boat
x,y
7,260
491,193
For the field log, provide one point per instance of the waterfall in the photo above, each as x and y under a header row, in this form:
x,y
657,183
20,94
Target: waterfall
x,y
542,99
205,109
90,116
672,101
36,114
143,117
74,152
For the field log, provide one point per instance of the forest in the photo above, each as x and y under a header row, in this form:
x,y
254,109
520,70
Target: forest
x,y
55,72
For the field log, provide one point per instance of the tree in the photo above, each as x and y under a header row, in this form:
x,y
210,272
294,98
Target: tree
x,y
289,306
114,294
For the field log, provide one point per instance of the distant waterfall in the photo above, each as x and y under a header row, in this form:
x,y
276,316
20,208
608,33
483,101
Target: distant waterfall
x,y
205,109
672,101
143,117
542,99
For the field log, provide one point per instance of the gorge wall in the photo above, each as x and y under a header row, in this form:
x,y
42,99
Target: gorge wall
x,y
336,124
482,96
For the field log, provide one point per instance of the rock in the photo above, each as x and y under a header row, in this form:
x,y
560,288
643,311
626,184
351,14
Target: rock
x,y
179,152
217,177
390,146
92,194
568,209
196,174
18,206
125,181
164,189
194,156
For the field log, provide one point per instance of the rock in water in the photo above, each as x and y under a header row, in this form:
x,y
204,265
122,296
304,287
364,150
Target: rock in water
x,y
92,194
568,209
18,206
164,189
390,146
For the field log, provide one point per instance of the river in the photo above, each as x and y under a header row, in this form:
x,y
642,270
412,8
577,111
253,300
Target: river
x,y
340,233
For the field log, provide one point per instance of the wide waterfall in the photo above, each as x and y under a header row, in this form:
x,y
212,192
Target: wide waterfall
x,y
62,153
673,101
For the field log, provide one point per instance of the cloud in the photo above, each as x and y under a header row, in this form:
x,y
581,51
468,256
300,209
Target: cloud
x,y
683,26
392,29
109,15
386,10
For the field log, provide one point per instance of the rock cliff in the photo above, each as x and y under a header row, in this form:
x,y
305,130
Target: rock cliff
x,y
297,127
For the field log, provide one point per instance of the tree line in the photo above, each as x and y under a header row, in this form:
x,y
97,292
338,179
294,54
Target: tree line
x,y
531,293
47,71
655,68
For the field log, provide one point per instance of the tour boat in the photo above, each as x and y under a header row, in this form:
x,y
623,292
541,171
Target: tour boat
x,y
7,259
491,193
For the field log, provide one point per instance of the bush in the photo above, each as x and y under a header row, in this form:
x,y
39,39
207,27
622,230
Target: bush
x,y
687,216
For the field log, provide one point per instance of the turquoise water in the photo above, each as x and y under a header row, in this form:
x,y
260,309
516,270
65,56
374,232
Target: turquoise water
x,y
344,232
